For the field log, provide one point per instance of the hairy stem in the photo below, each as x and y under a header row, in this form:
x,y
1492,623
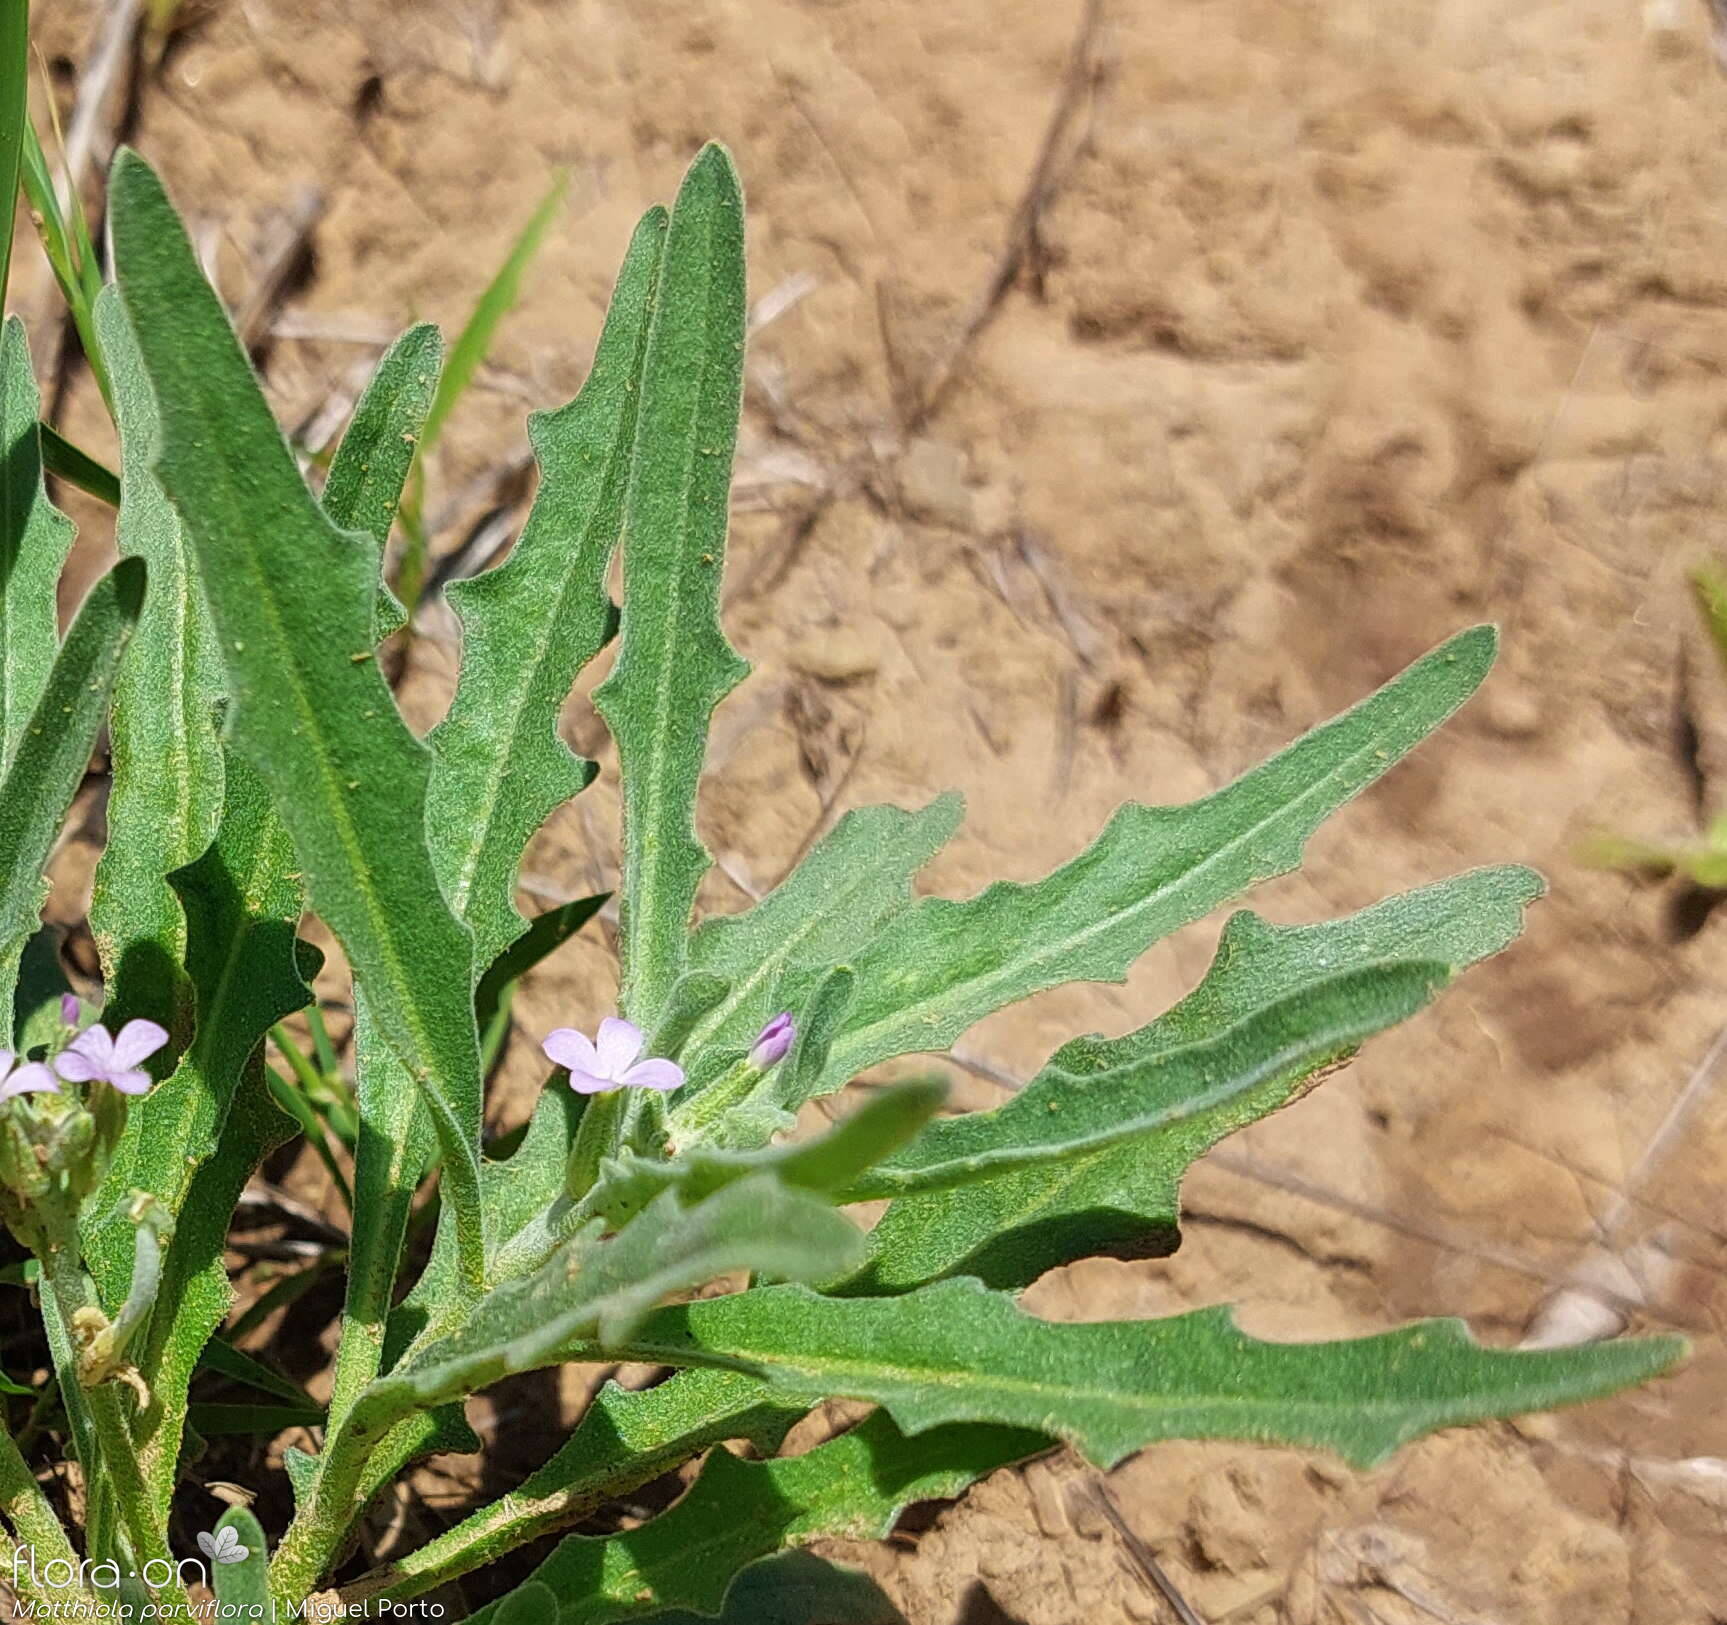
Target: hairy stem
x,y
37,1529
335,1499
116,1461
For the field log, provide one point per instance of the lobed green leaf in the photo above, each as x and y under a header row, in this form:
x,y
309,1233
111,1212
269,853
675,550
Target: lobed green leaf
x,y
856,879
1062,1117
594,1290
1120,1199
363,488
674,664
696,1555
34,539
531,624
958,1352
52,752
942,965
166,795
293,601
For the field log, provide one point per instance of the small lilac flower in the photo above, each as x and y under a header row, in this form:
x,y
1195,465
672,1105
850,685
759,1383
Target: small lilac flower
x,y
598,1068
27,1079
774,1042
93,1055
68,1009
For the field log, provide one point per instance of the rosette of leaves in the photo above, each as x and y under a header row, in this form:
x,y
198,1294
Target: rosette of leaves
x,y
262,768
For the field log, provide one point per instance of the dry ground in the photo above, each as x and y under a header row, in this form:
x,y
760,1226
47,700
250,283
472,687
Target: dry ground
x,y
1094,468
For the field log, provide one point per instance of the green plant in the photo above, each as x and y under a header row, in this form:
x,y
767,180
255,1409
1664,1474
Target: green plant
x,y
261,768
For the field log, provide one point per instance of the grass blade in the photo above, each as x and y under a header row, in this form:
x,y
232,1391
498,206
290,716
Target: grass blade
x,y
77,467
14,120
494,305
466,354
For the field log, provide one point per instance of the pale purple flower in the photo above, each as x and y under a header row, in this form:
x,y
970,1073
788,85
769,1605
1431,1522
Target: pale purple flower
x,y
774,1042
24,1080
68,1009
94,1055
596,1068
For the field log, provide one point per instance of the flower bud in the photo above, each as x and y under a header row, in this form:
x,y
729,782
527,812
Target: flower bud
x,y
774,1043
68,1009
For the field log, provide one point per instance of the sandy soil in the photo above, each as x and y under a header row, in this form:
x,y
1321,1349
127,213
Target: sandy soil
x,y
1329,328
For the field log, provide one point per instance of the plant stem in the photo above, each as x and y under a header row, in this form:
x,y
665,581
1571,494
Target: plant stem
x,y
394,1147
33,1522
336,1498
116,1456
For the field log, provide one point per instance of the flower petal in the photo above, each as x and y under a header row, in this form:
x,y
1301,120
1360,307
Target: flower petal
x,y
590,1083
654,1074
6,1060
137,1041
567,1047
77,1067
619,1044
96,1046
135,1081
29,1079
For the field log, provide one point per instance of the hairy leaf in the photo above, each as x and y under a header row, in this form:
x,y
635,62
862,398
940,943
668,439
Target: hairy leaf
x,y
166,796
1121,1199
529,1604
598,1290
737,1512
958,1352
52,751
241,907
1062,1117
624,1439
941,966
856,879
293,601
34,539
194,1295
829,1164
531,624
364,486
674,664
195,1140
242,1587
797,1588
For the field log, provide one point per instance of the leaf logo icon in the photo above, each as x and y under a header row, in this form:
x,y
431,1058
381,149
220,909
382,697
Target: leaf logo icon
x,y
223,1547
